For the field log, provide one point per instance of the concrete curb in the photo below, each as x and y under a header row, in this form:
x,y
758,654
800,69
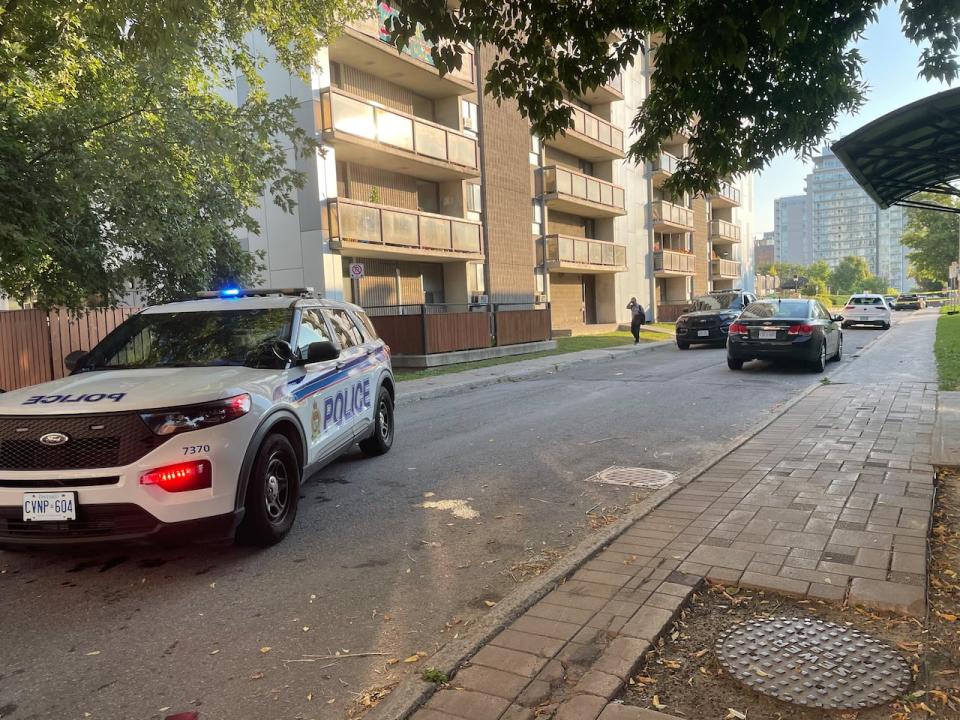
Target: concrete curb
x,y
561,363
414,692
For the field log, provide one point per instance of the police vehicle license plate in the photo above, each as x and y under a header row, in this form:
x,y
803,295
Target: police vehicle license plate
x,y
703,333
50,506
768,334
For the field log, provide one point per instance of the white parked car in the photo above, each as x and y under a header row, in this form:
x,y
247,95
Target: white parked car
x,y
867,309
195,419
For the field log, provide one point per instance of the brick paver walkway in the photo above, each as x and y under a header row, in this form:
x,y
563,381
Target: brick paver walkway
x,y
833,500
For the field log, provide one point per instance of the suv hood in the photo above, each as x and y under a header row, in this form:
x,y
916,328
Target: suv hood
x,y
101,391
709,314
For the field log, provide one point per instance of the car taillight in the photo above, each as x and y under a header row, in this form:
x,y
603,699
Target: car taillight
x,y
800,330
738,329
197,417
181,477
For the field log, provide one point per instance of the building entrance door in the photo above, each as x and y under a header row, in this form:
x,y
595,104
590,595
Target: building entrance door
x,y
589,286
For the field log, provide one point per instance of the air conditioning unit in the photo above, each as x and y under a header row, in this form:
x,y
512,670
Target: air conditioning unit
x,y
480,299
540,298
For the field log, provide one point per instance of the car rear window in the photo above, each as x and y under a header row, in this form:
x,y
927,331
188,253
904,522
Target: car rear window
x,y
777,309
866,301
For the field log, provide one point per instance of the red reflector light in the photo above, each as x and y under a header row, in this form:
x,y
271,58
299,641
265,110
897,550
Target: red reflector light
x,y
738,329
181,477
800,330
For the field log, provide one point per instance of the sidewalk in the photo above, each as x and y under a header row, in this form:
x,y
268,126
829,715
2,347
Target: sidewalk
x,y
832,500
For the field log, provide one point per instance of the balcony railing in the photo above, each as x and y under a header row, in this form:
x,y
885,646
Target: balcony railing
x,y
589,137
563,251
675,216
353,222
728,269
673,262
418,48
723,231
342,112
727,194
664,166
585,195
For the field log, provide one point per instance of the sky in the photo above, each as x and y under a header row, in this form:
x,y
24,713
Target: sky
x,y
890,70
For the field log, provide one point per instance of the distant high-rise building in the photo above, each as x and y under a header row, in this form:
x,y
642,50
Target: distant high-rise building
x,y
843,220
764,250
790,230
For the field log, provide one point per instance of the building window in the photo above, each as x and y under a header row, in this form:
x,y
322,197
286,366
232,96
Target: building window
x,y
473,197
537,226
535,149
470,115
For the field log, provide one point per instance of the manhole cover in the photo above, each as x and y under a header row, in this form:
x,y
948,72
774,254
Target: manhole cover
x,y
633,477
813,663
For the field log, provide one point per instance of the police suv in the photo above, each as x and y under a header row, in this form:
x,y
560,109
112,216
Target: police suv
x,y
195,419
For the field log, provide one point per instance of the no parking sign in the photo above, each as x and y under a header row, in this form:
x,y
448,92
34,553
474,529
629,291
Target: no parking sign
x,y
356,271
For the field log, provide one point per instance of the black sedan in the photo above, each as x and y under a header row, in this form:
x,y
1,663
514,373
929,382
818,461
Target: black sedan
x,y
785,330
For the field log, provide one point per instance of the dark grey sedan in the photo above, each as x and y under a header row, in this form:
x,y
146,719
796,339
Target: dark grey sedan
x,y
785,329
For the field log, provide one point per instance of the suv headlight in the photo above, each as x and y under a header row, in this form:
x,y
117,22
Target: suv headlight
x,y
196,417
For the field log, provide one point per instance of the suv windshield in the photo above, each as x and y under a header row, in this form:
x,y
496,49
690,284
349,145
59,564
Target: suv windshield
x,y
777,309
724,301
193,339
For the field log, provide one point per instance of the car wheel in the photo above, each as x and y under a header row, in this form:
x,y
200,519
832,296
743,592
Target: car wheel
x,y
820,364
839,353
683,344
382,439
273,493
885,326
734,363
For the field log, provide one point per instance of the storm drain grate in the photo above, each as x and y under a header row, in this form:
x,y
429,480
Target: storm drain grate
x,y
813,663
649,478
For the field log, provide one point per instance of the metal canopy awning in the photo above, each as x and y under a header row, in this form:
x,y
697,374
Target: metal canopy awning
x,y
913,149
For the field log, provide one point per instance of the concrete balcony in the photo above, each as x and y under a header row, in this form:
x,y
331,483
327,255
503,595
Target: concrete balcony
x,y
589,137
670,263
607,93
724,269
365,132
365,44
563,253
724,233
663,167
670,218
726,197
580,194
364,229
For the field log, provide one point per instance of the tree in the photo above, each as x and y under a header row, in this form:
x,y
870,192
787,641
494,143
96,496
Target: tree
x,y
788,271
849,275
874,284
815,286
820,271
125,155
748,80
933,238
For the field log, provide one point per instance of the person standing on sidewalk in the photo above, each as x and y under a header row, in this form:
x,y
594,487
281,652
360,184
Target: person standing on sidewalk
x,y
638,318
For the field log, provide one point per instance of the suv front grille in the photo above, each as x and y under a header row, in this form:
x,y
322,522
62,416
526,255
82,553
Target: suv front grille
x,y
95,441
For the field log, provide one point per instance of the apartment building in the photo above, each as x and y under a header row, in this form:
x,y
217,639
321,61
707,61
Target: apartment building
x,y
790,230
446,198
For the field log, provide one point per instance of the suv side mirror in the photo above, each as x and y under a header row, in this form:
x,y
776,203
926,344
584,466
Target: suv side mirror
x,y
838,318
74,359
322,351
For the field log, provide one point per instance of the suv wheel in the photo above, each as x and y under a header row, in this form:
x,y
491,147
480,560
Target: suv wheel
x,y
273,493
382,439
734,364
683,344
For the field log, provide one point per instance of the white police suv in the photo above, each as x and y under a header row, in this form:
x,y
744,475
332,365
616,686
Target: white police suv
x,y
194,419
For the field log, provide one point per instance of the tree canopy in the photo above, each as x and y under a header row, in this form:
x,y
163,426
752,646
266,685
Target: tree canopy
x,y
748,80
933,238
128,150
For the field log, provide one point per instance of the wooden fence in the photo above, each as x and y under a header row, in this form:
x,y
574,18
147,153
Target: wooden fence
x,y
34,343
430,329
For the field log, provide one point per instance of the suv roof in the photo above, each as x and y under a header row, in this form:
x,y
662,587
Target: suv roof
x,y
248,303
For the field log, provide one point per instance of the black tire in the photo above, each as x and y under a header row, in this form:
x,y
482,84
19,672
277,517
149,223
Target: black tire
x,y
683,344
273,493
885,326
820,364
845,326
734,363
382,439
839,353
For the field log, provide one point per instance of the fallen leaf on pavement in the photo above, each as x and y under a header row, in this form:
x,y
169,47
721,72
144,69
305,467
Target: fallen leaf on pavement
x,y
947,617
701,653
214,652
644,679
265,649
93,652
656,703
257,676
331,701
412,659
489,603
392,661
734,715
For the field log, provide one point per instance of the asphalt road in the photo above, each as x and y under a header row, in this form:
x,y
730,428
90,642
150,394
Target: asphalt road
x,y
372,566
